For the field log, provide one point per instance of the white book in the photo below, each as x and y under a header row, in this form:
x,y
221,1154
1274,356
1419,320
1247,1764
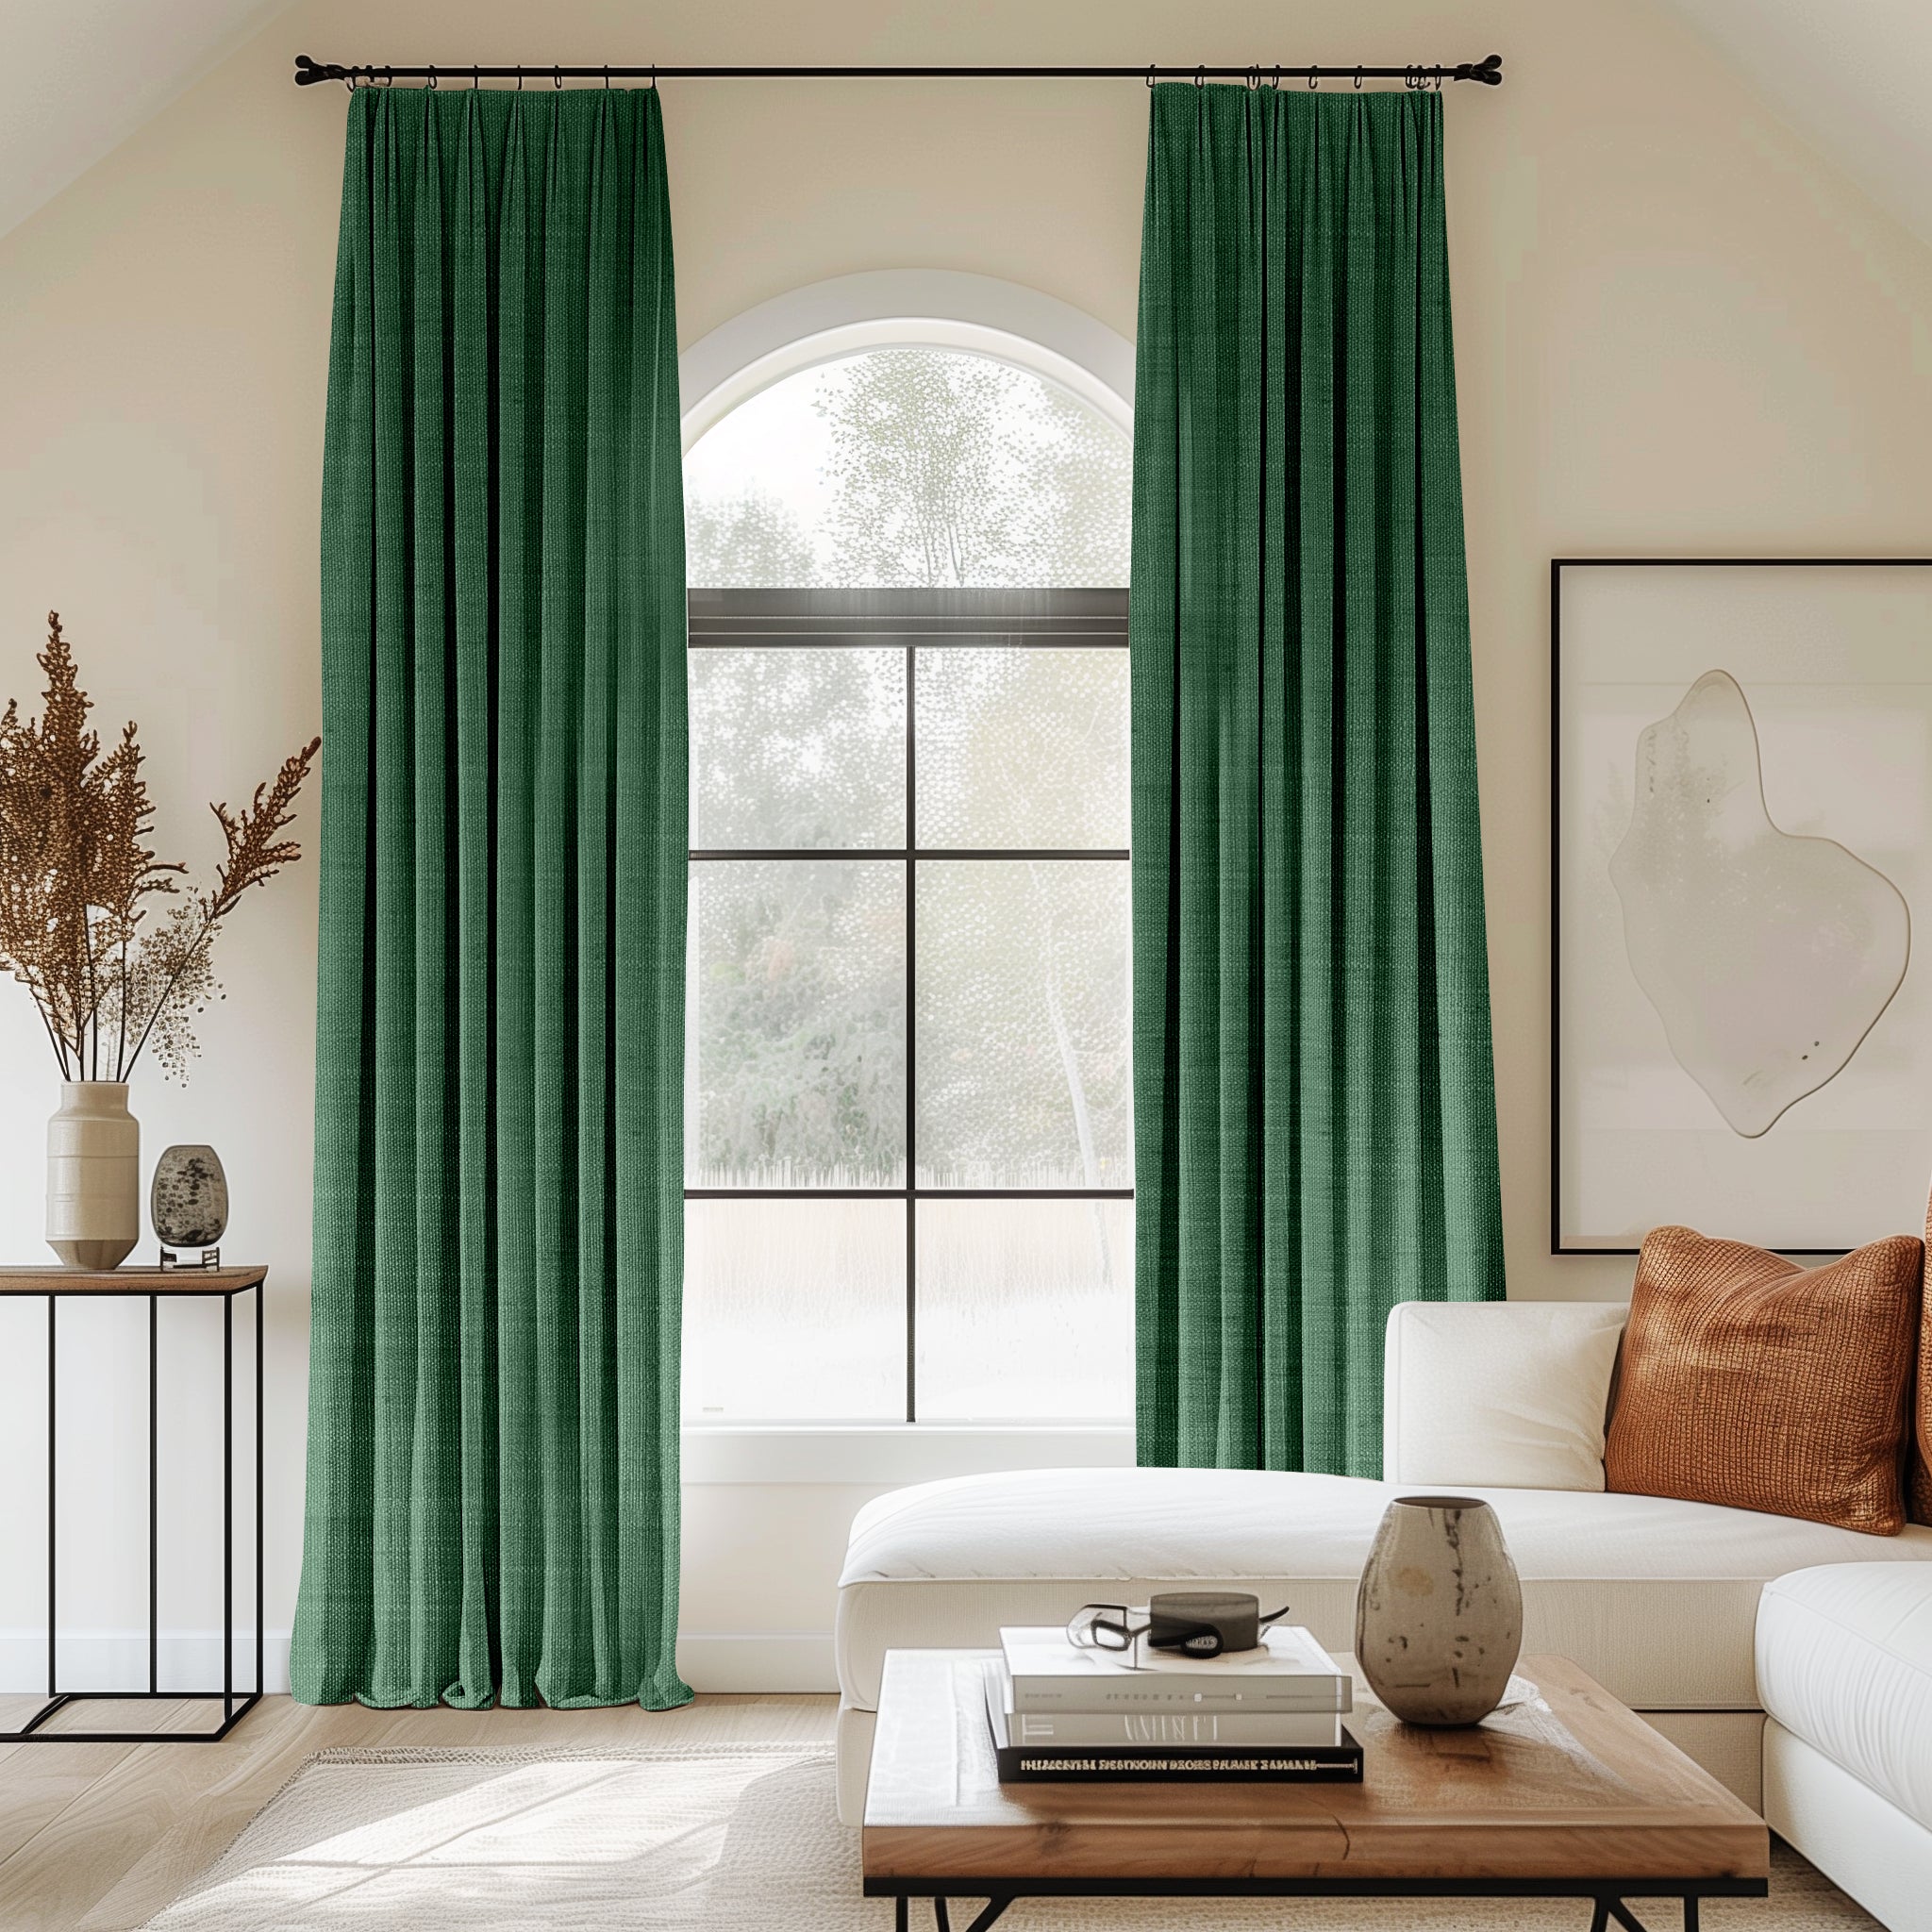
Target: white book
x,y
1287,1672
1239,1727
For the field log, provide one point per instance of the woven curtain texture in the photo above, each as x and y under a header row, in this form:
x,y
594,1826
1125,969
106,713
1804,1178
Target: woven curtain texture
x,y
1315,1113
493,1463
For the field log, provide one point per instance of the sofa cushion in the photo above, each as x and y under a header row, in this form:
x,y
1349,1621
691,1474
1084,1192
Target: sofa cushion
x,y
1654,1598
1844,1660
1513,1394
1749,1381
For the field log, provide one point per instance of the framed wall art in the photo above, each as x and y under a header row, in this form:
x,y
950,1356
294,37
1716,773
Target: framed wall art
x,y
1741,886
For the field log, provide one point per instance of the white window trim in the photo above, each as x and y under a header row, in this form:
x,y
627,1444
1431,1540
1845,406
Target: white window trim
x,y
886,1454
800,329
901,309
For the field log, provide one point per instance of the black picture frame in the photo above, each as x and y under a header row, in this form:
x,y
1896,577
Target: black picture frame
x,y
1558,566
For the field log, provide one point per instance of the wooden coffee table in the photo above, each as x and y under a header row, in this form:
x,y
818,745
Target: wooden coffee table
x,y
1567,1796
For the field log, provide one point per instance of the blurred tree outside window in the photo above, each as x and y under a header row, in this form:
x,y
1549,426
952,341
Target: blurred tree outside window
x,y
980,1129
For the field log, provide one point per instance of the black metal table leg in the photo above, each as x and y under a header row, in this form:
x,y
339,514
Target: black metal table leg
x,y
260,1663
153,1498
53,1431
228,1510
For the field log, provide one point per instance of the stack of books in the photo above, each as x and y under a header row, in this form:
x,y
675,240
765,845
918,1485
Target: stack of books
x,y
1273,1713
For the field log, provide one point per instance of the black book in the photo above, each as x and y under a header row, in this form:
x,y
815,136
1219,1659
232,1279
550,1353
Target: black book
x,y
1303,1764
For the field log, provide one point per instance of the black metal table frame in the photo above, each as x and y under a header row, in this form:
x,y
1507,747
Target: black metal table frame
x,y
236,1703
1608,1896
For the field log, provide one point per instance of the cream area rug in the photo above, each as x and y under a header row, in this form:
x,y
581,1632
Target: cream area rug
x,y
716,1839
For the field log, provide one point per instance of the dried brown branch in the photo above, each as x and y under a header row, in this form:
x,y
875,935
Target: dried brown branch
x,y
76,873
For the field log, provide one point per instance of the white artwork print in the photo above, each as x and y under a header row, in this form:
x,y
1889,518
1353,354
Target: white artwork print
x,y
1742,754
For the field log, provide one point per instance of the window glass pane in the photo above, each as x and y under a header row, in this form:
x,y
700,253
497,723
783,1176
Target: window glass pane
x,y
797,989
794,1310
1022,1023
797,747
1022,748
908,467
1025,1310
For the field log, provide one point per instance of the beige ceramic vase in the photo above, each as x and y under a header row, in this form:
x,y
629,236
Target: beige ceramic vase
x,y
93,1175
1439,1617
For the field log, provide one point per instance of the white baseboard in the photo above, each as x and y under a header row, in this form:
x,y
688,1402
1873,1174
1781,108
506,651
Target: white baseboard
x,y
779,1661
117,1659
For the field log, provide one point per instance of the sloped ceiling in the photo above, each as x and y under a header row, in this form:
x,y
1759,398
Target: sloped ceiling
x,y
81,75
1851,75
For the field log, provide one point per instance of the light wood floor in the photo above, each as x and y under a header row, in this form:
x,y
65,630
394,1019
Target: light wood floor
x,y
97,1838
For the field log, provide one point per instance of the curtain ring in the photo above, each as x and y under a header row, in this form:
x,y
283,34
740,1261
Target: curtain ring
x,y
1275,83
1150,77
520,81
556,78
1200,77
1357,80
475,78
1314,77
607,80
432,80
1255,78
388,76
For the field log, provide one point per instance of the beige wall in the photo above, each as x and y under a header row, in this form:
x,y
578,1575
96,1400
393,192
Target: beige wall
x,y
1678,330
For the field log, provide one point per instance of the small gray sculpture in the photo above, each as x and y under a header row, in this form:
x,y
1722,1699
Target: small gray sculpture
x,y
1439,1617
189,1204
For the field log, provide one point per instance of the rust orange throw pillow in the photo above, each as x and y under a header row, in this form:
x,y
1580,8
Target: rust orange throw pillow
x,y
1919,1460
1750,1381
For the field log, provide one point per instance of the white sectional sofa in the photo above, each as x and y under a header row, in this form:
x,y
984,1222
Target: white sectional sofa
x,y
1658,1599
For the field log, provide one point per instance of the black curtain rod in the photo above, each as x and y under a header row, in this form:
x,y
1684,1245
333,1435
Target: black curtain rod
x,y
1487,72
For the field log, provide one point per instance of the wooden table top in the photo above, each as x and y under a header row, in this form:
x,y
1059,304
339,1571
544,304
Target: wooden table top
x,y
1569,1786
37,1280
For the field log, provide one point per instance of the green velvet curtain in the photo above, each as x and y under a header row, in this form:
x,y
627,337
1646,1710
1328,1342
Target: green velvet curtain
x,y
1315,1113
492,1467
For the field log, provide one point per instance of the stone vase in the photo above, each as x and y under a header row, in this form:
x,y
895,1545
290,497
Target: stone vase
x,y
188,1200
1439,1617
93,1175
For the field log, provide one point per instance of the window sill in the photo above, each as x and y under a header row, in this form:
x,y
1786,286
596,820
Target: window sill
x,y
887,1454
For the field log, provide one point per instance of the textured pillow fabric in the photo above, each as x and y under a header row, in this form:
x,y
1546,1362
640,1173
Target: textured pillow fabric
x,y
1919,1451
1749,1381
1507,1395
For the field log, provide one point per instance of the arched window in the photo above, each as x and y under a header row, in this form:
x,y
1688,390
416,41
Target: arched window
x,y
908,1125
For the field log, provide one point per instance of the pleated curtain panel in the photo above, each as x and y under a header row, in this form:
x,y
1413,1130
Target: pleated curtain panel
x,y
493,1469
1315,1111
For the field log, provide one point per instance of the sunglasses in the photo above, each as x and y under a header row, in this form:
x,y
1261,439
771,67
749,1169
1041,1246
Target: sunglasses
x,y
1193,1625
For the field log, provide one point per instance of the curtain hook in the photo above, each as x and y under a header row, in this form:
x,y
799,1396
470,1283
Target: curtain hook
x,y
1314,76
432,79
556,78
475,78
1255,77
520,81
607,80
1200,77
1150,77
1275,83
1357,80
